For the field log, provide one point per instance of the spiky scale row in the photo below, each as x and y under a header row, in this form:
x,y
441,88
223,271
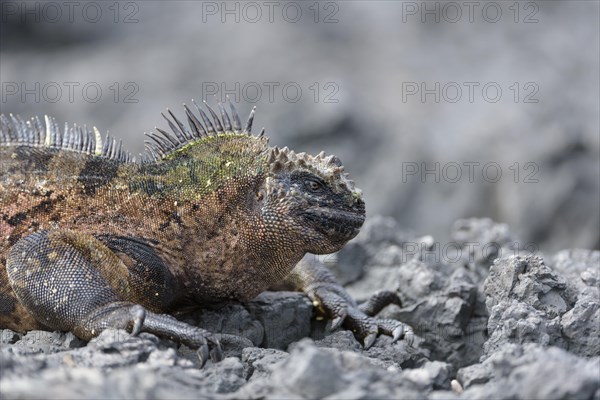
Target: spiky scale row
x,y
14,131
17,132
165,143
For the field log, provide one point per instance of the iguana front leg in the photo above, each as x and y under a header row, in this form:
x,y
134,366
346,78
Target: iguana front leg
x,y
73,282
312,277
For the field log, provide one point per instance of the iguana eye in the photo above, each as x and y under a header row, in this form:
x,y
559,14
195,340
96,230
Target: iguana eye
x,y
313,185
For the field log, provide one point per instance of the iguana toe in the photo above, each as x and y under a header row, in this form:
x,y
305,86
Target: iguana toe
x,y
396,329
202,353
397,334
216,354
378,301
139,315
338,321
369,340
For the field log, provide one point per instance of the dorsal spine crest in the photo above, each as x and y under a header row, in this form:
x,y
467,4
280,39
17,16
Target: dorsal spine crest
x,y
162,145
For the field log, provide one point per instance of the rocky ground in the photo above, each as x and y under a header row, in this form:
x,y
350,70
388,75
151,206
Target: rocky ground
x,y
492,321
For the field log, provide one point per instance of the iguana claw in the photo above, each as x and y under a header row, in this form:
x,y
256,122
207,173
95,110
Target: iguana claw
x,y
211,348
337,322
369,340
202,354
139,315
216,354
409,335
397,334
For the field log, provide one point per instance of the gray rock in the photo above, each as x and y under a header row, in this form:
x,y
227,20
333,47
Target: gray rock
x,y
475,374
115,365
581,327
272,319
527,279
162,383
481,241
483,231
9,337
374,278
431,375
313,372
531,371
525,299
417,279
13,365
259,363
46,342
512,321
383,353
379,232
381,242
229,319
581,324
441,373
341,339
225,376
399,353
441,306
285,317
533,309
350,263
529,302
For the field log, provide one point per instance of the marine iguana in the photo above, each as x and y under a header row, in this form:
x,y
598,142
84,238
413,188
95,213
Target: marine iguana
x,y
90,238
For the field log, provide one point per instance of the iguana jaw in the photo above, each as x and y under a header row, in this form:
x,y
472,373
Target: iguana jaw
x,y
344,225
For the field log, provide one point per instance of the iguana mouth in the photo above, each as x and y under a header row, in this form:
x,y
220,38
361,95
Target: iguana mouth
x,y
327,221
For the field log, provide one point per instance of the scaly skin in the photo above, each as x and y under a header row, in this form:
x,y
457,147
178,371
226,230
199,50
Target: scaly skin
x,y
91,239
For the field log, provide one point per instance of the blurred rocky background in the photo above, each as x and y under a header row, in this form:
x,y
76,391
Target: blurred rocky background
x,y
440,110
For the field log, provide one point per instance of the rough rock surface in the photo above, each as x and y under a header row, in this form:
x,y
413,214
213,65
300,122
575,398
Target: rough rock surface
x,y
492,321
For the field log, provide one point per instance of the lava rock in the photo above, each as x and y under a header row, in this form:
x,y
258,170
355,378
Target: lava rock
x,y
531,371
530,302
442,308
9,337
229,318
381,242
581,327
481,241
313,372
350,263
514,328
581,324
35,342
285,317
529,280
431,375
383,353
258,361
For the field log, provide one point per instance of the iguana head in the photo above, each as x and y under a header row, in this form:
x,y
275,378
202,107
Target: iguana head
x,y
306,198
315,196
